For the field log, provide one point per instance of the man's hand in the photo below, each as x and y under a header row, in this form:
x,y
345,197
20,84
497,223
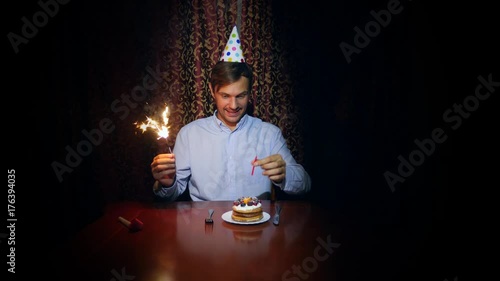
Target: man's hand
x,y
163,168
274,167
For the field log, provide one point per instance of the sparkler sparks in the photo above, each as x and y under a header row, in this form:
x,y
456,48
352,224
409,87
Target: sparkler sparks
x,y
160,127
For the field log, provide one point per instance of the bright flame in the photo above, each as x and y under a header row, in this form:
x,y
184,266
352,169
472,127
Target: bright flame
x,y
160,128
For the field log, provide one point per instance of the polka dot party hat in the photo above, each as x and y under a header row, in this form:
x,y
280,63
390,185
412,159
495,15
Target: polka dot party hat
x,y
233,52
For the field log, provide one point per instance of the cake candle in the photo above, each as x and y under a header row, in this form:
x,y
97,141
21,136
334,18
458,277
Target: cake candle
x,y
253,167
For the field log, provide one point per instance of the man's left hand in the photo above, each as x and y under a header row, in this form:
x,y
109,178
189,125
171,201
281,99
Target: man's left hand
x,y
274,167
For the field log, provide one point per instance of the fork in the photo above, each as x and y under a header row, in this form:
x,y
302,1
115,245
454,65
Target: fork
x,y
276,219
209,219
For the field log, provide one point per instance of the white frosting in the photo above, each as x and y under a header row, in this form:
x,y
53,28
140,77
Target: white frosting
x,y
248,208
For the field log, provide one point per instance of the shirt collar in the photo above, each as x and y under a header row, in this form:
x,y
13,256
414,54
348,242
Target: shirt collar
x,y
223,126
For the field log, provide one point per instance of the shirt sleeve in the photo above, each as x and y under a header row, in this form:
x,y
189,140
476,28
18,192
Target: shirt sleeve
x,y
168,193
297,180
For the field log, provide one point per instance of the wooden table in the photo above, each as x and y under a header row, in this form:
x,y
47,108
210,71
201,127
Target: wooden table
x,y
176,244
314,241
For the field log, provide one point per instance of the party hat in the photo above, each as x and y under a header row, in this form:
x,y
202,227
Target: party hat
x,y
233,51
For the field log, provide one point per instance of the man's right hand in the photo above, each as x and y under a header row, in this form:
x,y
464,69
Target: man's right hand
x,y
163,168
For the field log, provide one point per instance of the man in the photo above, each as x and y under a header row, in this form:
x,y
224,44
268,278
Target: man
x,y
229,154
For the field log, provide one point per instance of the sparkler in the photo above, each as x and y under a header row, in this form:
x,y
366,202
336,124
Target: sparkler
x,y
160,127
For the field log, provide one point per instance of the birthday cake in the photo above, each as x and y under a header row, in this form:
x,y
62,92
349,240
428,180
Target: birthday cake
x,y
247,209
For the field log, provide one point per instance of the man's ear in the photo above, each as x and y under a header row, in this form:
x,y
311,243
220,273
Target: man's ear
x,y
211,90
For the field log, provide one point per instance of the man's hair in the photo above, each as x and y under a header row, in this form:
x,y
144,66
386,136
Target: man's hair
x,y
225,73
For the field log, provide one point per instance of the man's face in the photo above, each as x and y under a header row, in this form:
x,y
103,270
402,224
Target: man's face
x,y
231,101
